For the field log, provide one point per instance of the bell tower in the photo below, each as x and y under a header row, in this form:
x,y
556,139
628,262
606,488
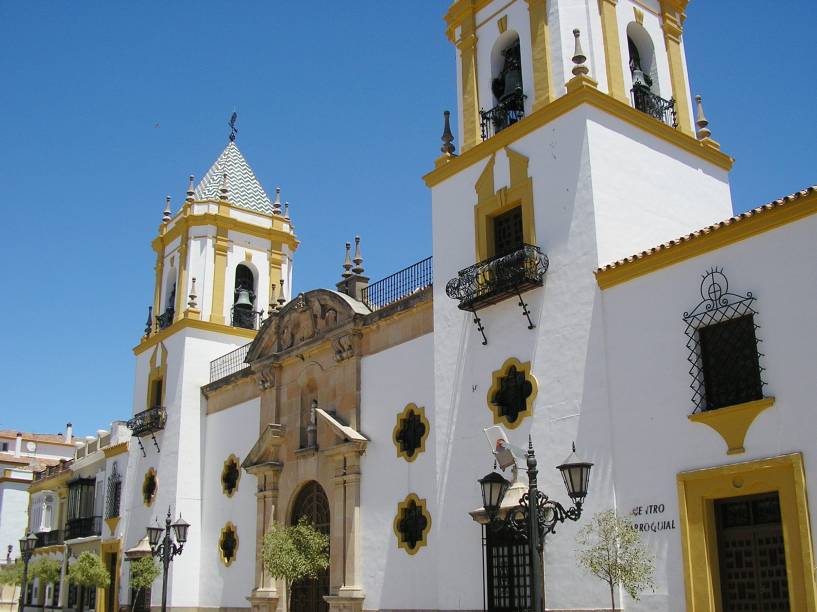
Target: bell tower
x,y
223,263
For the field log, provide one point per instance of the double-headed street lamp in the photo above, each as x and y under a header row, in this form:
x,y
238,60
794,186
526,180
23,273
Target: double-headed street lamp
x,y
537,515
27,546
166,548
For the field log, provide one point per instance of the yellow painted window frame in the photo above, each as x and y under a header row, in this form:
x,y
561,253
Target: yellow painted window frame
x,y
421,503
493,202
496,378
419,410
697,492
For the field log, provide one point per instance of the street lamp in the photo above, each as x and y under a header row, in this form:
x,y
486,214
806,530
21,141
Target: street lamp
x,y
27,546
532,521
162,545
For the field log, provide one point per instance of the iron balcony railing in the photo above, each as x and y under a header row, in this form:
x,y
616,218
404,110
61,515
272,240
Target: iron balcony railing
x,y
510,110
49,538
655,106
246,319
232,362
148,422
399,285
165,319
497,278
83,527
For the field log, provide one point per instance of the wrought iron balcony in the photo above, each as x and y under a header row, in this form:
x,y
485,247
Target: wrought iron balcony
x,y
49,538
165,319
510,110
655,106
83,527
497,278
148,422
245,318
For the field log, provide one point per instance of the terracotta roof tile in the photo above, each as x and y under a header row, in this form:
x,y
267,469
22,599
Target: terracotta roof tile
x,y
35,437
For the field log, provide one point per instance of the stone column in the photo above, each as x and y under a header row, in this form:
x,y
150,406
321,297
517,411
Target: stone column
x,y
612,50
540,53
672,24
264,597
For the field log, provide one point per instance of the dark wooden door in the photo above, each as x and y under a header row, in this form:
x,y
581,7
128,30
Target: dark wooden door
x,y
312,504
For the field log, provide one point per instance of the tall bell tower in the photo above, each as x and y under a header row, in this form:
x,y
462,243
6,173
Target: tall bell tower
x,y
223,261
577,147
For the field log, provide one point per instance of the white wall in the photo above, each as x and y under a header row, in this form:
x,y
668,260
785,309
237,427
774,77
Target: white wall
x,y
390,380
13,515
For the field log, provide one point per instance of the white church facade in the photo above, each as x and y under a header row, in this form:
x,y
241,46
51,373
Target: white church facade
x,y
588,284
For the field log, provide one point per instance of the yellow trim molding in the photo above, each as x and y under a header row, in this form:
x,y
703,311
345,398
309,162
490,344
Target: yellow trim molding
x,y
411,498
540,53
470,93
562,106
497,376
733,422
116,449
156,338
156,374
612,50
232,459
112,590
149,498
491,203
420,411
221,246
229,527
112,523
672,17
697,492
746,225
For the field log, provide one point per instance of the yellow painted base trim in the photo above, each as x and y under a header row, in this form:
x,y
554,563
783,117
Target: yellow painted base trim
x,y
112,523
580,81
181,324
733,422
562,106
697,492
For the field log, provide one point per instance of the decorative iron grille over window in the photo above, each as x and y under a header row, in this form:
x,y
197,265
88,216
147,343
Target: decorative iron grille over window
x,y
114,493
230,474
507,570
228,544
411,432
412,524
723,346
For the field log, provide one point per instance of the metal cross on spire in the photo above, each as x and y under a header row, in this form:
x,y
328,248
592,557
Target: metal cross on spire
x,y
233,129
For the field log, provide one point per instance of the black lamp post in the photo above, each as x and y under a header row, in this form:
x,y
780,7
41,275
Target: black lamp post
x,y
27,546
166,548
532,521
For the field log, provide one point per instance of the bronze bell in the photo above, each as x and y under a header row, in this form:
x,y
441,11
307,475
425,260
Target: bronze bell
x,y
244,299
512,84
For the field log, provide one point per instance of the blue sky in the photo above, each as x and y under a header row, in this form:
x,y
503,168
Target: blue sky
x,y
108,106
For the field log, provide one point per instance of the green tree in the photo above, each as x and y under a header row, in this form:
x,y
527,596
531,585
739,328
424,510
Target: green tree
x,y
12,573
46,569
295,552
610,548
88,571
142,574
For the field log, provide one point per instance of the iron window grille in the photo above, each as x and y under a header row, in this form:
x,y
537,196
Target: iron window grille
x,y
228,544
114,493
412,524
654,105
411,432
511,399
507,571
723,346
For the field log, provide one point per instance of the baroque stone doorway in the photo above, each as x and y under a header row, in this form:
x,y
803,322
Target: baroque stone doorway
x,y
311,503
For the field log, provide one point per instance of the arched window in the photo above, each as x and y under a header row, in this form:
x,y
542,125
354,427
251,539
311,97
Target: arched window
x,y
166,318
244,314
506,86
644,72
311,504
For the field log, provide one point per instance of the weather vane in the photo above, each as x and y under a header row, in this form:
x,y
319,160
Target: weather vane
x,y
233,129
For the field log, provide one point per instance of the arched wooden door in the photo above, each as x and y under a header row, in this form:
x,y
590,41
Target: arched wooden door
x,y
307,595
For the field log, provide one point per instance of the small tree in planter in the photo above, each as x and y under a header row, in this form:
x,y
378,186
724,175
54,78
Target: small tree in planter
x,y
142,574
47,570
292,553
11,574
610,548
88,572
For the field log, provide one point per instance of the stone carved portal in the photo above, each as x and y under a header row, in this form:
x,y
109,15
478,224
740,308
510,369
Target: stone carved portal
x,y
311,503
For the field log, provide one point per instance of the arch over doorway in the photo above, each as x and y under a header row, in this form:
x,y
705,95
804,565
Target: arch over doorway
x,y
311,503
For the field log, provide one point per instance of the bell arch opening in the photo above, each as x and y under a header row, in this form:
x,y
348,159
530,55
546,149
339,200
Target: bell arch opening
x,y
643,67
243,311
506,67
312,504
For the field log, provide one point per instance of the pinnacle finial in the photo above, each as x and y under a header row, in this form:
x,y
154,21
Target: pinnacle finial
x,y
358,259
347,262
579,57
225,190
281,297
701,121
190,188
447,137
276,205
166,216
286,210
192,304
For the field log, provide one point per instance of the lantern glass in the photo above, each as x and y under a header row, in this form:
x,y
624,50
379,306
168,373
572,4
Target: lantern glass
x,y
154,535
180,529
576,474
29,543
493,488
